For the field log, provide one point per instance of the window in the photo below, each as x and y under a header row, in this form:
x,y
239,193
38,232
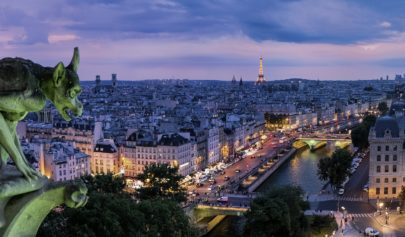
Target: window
x,y
386,180
378,158
378,169
385,190
394,168
394,180
386,168
387,158
387,148
377,191
394,148
394,158
377,180
394,190
379,148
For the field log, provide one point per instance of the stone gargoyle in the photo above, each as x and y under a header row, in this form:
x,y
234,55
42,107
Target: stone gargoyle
x,y
26,196
24,87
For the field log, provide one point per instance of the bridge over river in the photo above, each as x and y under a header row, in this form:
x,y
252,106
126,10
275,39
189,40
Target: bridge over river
x,y
237,205
316,141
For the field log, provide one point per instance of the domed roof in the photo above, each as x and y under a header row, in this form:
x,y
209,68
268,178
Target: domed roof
x,y
385,124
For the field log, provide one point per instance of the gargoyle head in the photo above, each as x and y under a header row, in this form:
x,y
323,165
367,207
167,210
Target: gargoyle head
x,y
67,88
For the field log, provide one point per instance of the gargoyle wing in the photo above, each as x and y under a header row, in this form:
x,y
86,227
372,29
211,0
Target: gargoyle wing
x,y
14,75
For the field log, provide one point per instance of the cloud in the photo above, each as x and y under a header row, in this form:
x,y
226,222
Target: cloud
x,y
385,24
210,39
56,38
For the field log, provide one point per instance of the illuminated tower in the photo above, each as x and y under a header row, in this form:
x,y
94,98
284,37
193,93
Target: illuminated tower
x,y
260,78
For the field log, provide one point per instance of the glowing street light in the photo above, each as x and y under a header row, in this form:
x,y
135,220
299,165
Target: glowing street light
x,y
380,205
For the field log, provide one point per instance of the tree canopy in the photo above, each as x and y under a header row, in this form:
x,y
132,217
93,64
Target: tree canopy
x,y
107,183
279,212
401,197
383,108
360,133
112,212
336,168
161,181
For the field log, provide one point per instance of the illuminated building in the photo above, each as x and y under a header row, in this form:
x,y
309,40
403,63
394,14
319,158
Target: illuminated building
x,y
386,171
82,133
105,157
144,148
60,161
213,145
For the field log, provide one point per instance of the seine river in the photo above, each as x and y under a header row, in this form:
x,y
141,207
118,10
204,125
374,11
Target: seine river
x,y
300,170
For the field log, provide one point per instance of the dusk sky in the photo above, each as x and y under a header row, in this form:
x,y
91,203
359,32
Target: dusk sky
x,y
207,39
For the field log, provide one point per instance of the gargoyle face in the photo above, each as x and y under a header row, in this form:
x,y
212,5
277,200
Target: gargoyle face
x,y
67,88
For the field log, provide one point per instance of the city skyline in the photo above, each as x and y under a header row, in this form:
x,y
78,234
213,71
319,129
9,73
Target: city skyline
x,y
333,40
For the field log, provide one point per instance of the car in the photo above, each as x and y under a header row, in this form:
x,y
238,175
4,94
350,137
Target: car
x,y
226,178
352,170
199,185
365,188
212,181
237,171
341,191
369,231
357,160
223,199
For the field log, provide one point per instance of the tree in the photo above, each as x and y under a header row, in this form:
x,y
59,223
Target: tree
x,y
369,121
112,212
401,197
279,212
382,107
360,133
113,215
335,169
268,217
322,225
106,183
359,136
161,181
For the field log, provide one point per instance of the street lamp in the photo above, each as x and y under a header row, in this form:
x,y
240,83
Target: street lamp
x,y
344,213
380,205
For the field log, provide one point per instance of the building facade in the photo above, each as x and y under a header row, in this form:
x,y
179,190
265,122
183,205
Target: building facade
x,y
105,158
387,154
61,162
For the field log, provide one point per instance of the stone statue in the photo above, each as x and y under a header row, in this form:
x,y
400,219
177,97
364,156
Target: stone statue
x,y
24,87
26,197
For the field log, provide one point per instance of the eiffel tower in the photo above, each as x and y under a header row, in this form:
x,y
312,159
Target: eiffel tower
x,y
260,78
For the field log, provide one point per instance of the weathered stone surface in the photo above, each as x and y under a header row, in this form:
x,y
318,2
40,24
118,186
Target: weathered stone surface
x,y
24,87
26,197
22,211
